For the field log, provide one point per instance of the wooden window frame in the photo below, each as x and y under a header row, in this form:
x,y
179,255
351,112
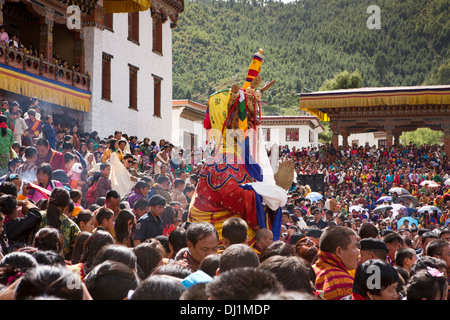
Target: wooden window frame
x,y
157,86
294,132
133,27
157,26
106,76
133,87
109,21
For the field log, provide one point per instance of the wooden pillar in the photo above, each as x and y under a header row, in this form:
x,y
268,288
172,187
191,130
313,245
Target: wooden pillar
x,y
345,134
2,3
389,135
46,38
397,138
335,130
446,129
79,50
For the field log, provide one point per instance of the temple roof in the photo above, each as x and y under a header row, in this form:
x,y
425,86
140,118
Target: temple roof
x,y
318,103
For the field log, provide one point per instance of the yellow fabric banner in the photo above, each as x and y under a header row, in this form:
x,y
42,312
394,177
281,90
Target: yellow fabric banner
x,y
25,84
117,6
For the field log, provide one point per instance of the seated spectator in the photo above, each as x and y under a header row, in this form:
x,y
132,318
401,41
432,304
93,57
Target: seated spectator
x,y
338,255
363,288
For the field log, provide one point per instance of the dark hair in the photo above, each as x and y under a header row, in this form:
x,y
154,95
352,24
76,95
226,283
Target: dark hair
x,y
78,246
60,176
141,184
117,253
435,247
49,281
84,216
102,214
121,225
9,188
42,142
401,254
392,238
46,169
164,241
30,152
20,260
168,215
111,280
8,205
105,165
307,249
195,292
292,272
68,156
238,256
59,197
49,258
172,269
367,230
112,142
280,248
235,230
159,287
427,261
188,188
162,178
178,182
178,240
424,285
194,177
148,258
141,204
199,231
334,237
112,194
49,238
93,244
387,276
210,264
429,235
243,284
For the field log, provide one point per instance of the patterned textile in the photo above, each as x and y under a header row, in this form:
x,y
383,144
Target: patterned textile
x,y
4,159
6,141
332,278
69,230
191,262
219,197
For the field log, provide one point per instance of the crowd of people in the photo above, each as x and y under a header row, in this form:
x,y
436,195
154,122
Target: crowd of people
x,y
109,216
13,41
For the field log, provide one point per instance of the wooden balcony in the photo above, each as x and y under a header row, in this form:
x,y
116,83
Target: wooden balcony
x,y
18,59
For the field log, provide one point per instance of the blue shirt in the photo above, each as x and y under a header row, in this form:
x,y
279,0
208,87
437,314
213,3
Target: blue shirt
x,y
148,227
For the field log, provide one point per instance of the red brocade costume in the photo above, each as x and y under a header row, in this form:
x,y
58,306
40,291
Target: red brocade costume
x,y
219,196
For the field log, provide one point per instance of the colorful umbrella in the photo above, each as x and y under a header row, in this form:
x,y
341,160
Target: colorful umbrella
x,y
430,183
403,198
314,196
429,209
356,208
399,209
399,191
410,219
382,208
383,199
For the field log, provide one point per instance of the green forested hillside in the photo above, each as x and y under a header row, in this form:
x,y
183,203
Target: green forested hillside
x,y
307,42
